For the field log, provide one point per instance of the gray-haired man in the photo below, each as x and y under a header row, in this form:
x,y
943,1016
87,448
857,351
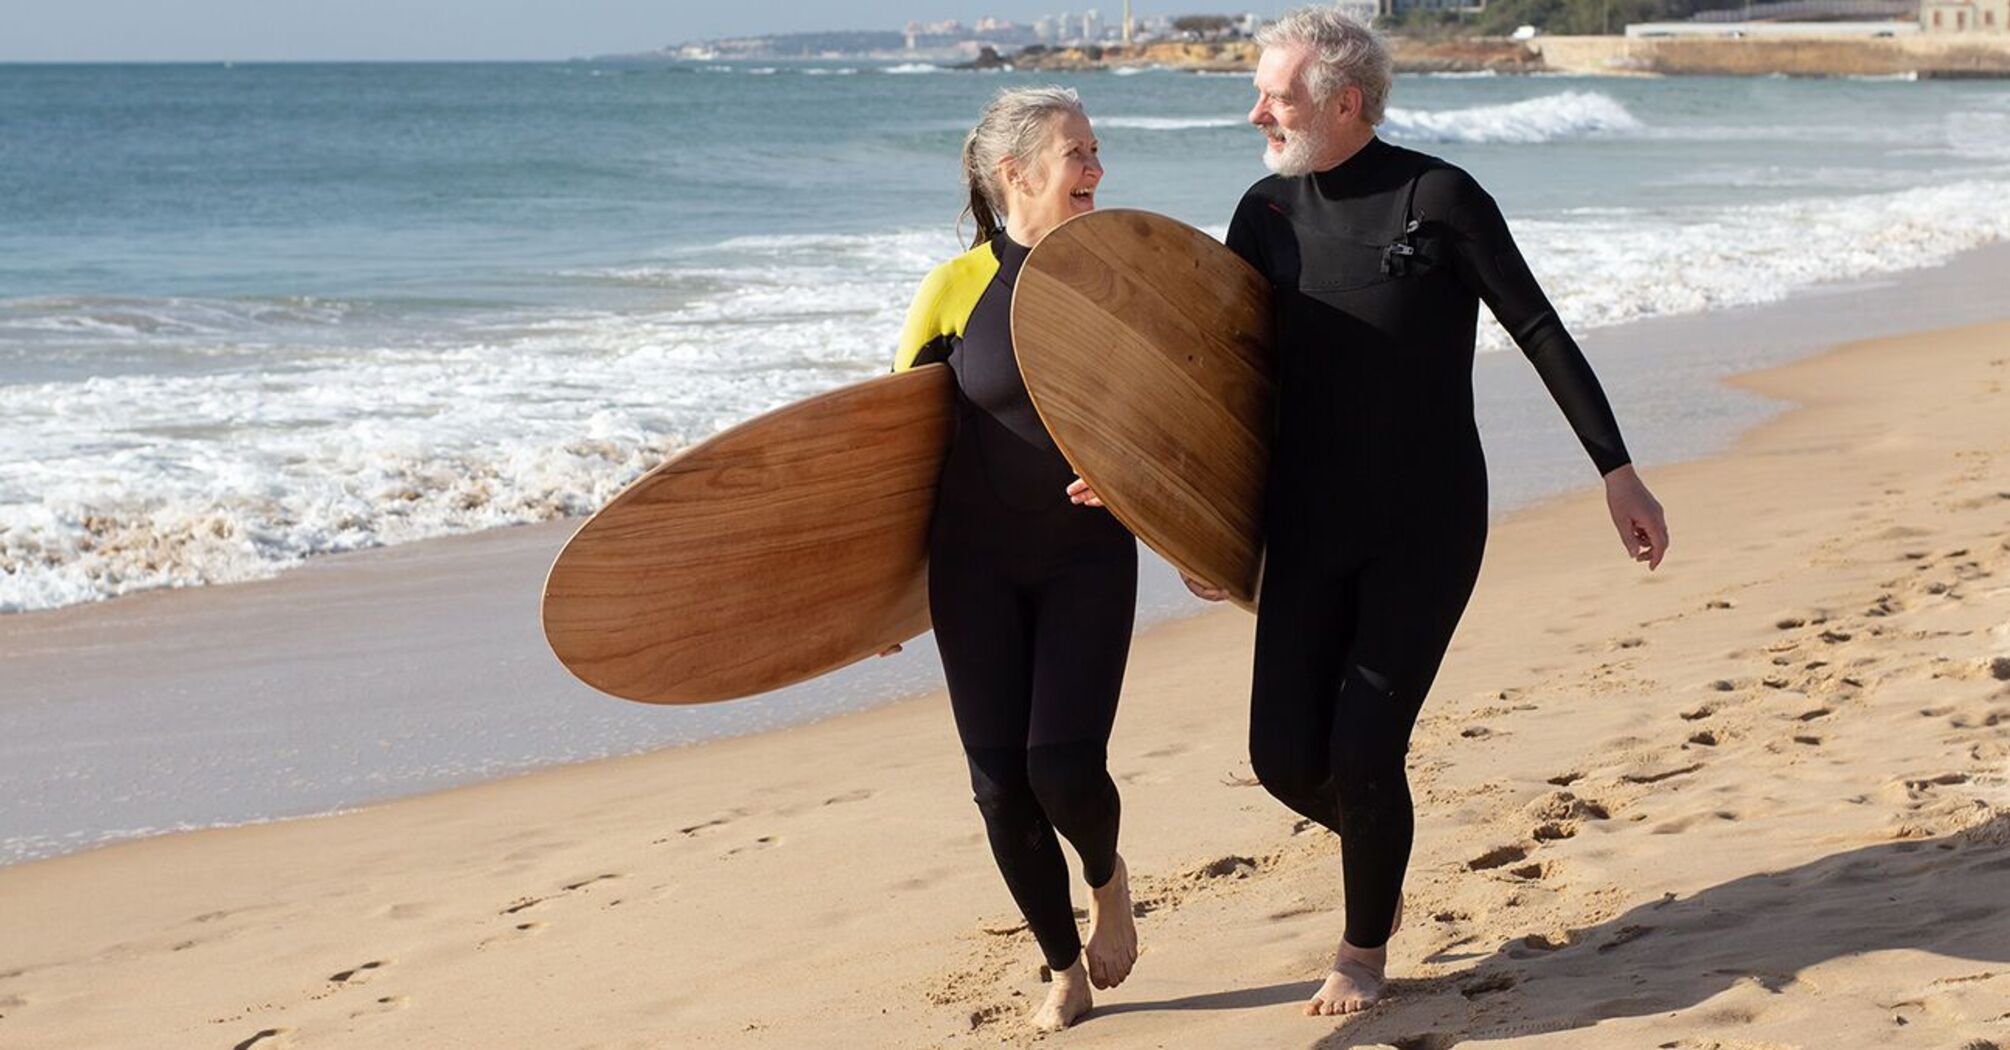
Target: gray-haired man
x,y
1377,506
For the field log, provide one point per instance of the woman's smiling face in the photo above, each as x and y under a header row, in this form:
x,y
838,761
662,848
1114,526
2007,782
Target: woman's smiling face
x,y
1062,181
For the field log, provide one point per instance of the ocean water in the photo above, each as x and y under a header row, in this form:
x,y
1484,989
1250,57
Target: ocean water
x,y
253,314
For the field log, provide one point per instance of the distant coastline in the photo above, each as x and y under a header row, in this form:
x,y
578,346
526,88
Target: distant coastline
x,y
1925,56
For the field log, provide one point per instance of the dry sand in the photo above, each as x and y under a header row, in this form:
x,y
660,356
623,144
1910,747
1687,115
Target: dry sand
x,y
1758,799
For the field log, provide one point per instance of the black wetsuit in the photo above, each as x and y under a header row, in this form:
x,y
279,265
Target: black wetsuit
x,y
1376,514
1032,598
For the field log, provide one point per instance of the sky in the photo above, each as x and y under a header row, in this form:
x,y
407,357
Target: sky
x,y
293,30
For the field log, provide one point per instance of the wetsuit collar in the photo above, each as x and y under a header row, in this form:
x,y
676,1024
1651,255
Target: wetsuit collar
x,y
1348,172
1010,255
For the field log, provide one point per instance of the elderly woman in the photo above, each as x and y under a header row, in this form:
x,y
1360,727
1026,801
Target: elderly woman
x,y
1032,595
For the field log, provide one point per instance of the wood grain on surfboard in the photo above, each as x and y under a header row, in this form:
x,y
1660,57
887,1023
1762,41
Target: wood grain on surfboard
x,y
785,547
1146,347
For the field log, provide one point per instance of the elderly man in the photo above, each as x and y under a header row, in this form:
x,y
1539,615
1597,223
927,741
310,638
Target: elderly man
x,y
1377,507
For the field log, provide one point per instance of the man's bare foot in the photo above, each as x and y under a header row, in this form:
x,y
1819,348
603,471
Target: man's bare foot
x,y
1113,933
1355,983
1067,1000
1356,980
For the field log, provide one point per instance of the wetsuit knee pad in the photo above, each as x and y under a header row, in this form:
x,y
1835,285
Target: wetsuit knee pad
x,y
1290,770
1077,796
1070,777
999,785
1371,739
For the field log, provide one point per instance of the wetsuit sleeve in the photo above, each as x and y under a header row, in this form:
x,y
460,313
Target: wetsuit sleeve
x,y
923,339
1490,264
941,308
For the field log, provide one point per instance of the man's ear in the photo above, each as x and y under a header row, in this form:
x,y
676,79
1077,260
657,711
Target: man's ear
x,y
1349,102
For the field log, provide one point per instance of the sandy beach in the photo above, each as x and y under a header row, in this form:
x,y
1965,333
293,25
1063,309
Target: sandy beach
x,y
1760,798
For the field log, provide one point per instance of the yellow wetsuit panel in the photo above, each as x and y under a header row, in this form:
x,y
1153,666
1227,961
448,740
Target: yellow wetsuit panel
x,y
942,307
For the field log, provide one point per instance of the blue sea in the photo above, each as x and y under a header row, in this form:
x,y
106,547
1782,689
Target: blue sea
x,y
252,314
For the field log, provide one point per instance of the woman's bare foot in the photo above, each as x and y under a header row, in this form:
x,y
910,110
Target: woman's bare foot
x,y
1356,980
1355,983
1067,1000
1113,933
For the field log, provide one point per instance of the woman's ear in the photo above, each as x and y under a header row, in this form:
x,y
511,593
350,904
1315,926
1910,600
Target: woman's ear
x,y
1011,174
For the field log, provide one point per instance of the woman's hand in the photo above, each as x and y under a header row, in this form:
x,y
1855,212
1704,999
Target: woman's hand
x,y
1637,515
1080,494
1203,591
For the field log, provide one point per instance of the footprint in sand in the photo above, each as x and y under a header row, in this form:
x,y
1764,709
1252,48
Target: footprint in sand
x,y
707,826
1681,824
765,842
1656,778
526,903
1498,857
1566,807
360,974
1488,985
1231,866
269,1039
516,933
1626,935
859,795
1536,944
385,1004
1554,831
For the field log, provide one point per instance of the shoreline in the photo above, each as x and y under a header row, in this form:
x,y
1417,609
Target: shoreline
x,y
1790,723
382,674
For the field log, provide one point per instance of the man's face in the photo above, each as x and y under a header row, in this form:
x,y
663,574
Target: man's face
x,y
1297,129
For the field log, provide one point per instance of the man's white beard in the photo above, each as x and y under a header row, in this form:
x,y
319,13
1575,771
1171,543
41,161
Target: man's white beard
x,y
1299,155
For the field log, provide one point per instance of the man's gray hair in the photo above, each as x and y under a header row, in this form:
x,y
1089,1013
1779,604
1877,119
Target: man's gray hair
x,y
1344,53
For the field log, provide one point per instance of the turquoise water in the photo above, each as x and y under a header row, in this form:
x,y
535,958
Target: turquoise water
x,y
251,314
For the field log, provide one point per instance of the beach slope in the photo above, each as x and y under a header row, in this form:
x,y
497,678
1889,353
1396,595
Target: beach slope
x,y
1760,798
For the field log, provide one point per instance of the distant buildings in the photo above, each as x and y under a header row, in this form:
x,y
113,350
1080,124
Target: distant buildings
x,y
1082,28
1362,11
1965,16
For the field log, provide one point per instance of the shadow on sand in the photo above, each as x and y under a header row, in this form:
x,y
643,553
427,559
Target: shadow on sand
x,y
1948,895
1238,999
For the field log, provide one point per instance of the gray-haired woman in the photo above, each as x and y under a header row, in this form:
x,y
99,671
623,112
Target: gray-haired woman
x,y
1032,595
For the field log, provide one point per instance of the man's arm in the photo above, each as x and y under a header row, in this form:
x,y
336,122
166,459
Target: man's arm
x,y
1488,261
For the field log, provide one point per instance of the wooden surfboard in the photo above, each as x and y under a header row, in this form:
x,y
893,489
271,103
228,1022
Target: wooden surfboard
x,y
1146,347
782,548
